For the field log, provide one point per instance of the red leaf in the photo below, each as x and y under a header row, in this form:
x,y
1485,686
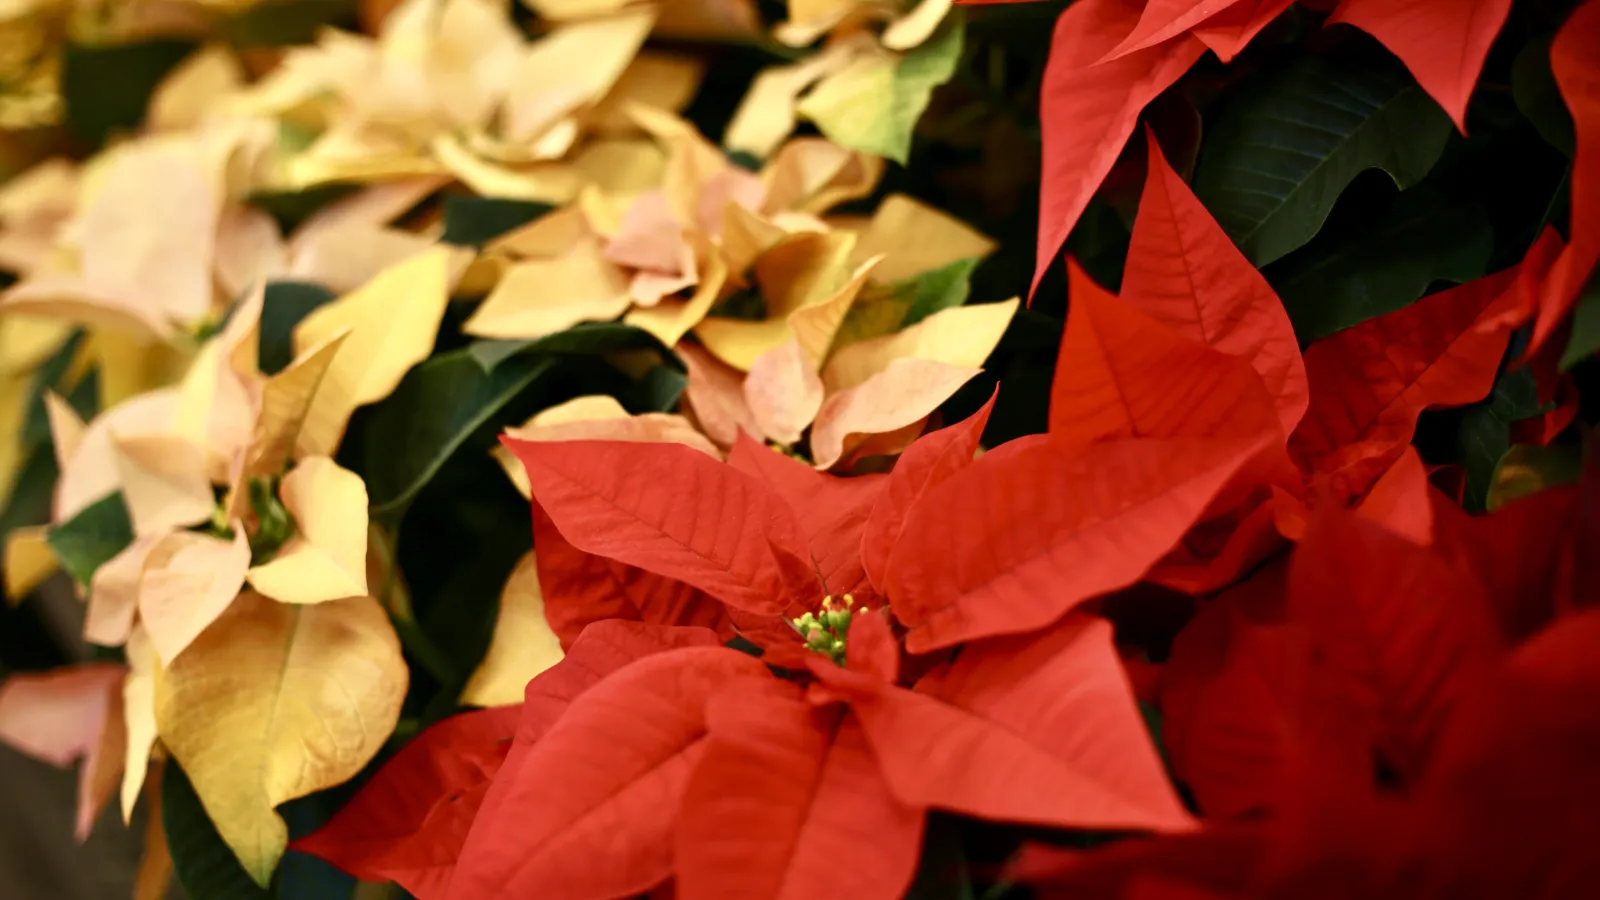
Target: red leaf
x,y
603,648
1227,32
1088,109
1221,858
590,811
1040,729
1162,20
1577,72
1122,374
408,823
1231,697
1442,42
1036,527
832,511
581,588
1369,383
788,804
1399,501
1254,535
1398,634
1186,273
924,464
676,512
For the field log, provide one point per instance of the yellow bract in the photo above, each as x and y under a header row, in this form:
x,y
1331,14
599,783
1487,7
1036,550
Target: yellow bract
x,y
523,644
327,559
274,702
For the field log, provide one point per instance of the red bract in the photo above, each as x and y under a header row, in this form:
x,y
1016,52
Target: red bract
x,y
1281,694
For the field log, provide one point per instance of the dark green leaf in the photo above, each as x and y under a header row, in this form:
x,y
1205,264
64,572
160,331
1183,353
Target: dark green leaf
x,y
47,377
290,208
585,339
204,864
1585,340
1485,431
34,491
1534,88
436,407
475,221
106,88
275,23
90,538
1278,155
660,389
1385,263
304,877
285,304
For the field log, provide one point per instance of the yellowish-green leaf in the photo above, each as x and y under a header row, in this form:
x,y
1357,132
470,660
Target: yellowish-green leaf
x,y
873,104
914,239
274,702
28,561
327,558
523,644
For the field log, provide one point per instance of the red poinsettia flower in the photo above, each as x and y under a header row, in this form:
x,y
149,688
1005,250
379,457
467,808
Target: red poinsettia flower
x,y
1463,664
653,753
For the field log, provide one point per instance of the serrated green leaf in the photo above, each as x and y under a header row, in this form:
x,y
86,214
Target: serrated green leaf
x,y
1533,87
275,23
1485,431
1523,470
98,532
1280,153
475,221
436,407
873,104
203,863
285,304
1340,280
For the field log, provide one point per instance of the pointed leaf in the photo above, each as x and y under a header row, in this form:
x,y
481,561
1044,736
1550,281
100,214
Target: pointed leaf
x,y
924,465
283,307
1029,531
1271,180
1185,273
327,557
202,860
1442,42
164,483
541,297
408,822
1088,109
393,320
589,813
783,392
903,394
783,784
274,702
92,537
1369,383
1040,729
189,579
672,511
1123,374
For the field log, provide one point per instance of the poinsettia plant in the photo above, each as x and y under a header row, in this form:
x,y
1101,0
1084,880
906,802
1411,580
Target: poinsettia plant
x,y
715,448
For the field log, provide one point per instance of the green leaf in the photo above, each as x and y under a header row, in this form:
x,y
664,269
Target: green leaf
x,y
98,532
660,389
47,377
940,289
1524,470
1339,280
32,495
1585,340
1485,431
275,23
1534,88
1279,155
436,407
584,339
475,221
882,309
204,864
874,104
285,304
106,88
